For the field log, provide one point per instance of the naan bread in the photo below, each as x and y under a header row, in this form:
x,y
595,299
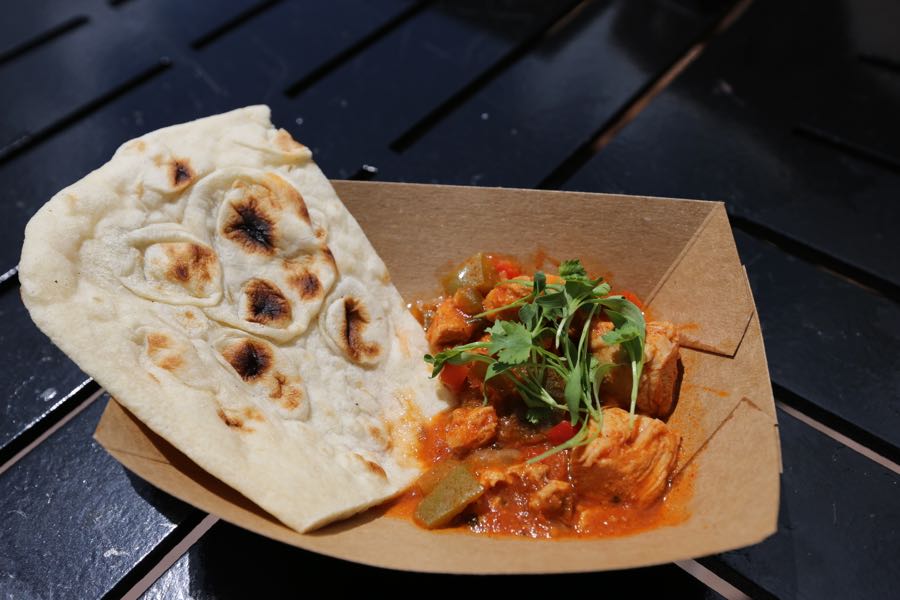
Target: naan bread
x,y
211,280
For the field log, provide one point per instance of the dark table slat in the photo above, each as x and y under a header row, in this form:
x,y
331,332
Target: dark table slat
x,y
181,23
217,567
725,130
75,523
26,23
838,525
68,73
254,65
38,375
534,115
829,341
874,30
357,111
811,72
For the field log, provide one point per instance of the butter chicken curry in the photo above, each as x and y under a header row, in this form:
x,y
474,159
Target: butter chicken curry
x,y
562,389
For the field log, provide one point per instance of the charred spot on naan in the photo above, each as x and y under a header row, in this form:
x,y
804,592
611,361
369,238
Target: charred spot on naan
x,y
355,325
237,419
189,262
266,304
382,438
281,190
181,174
252,227
286,391
372,466
356,320
189,266
286,143
164,352
230,420
251,359
252,413
157,342
307,284
158,349
137,145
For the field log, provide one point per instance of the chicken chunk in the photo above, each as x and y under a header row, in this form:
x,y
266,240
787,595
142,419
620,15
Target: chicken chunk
x,y
471,428
656,389
554,497
449,326
504,294
531,484
531,475
626,463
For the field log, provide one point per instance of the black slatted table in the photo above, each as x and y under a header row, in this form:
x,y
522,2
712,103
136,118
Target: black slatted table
x,y
785,111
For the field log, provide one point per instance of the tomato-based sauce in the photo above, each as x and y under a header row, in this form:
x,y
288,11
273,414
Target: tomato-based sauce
x,y
616,479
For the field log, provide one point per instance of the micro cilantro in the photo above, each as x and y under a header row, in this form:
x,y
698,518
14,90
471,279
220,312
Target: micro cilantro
x,y
544,348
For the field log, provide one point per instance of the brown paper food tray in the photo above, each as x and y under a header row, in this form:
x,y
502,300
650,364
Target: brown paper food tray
x,y
678,255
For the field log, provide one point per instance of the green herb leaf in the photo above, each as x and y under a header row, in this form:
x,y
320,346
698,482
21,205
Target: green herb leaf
x,y
625,332
573,392
528,315
579,289
552,300
510,342
601,289
539,282
456,356
572,270
494,369
625,315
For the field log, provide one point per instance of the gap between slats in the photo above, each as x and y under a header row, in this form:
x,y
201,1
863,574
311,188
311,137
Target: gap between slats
x,y
815,257
233,23
419,129
155,564
600,138
9,278
847,147
298,87
75,402
28,140
712,580
845,433
738,580
43,38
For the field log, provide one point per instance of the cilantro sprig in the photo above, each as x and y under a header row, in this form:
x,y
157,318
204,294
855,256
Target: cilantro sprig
x,y
547,357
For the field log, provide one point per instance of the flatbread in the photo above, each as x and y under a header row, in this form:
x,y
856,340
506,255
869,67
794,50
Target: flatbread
x,y
210,279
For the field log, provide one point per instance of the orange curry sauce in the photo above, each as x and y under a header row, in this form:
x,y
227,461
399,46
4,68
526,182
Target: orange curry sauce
x,y
507,509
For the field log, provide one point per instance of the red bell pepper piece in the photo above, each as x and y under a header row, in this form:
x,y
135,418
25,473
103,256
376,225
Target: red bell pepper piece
x,y
561,432
454,376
